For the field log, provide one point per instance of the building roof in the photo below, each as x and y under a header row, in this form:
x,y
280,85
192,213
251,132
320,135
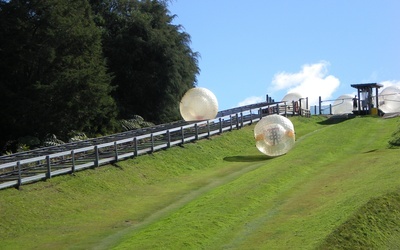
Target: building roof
x,y
366,85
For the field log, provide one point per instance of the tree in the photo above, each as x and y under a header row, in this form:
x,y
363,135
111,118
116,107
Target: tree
x,y
150,58
53,77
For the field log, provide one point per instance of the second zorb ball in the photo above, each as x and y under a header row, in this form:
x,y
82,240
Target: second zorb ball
x,y
389,99
343,105
274,135
198,104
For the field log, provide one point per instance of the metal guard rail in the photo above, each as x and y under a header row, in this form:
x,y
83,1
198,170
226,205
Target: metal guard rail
x,y
44,163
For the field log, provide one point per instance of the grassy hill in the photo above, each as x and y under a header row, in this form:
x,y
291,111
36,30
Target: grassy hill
x,y
337,188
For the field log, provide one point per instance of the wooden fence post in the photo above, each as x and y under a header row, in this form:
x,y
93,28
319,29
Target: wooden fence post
x,y
96,153
152,142
19,174
237,121
182,135
320,103
116,151
208,128
168,139
196,131
72,161
293,110
48,173
220,125
135,141
300,107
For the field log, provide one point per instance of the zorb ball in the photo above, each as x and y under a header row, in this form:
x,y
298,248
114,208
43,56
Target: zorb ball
x,y
343,105
274,135
293,96
198,104
389,99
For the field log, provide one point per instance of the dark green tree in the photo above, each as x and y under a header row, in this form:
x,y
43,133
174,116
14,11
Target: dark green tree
x,y
53,76
149,57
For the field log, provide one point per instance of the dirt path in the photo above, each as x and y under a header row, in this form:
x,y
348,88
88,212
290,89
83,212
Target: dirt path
x,y
114,239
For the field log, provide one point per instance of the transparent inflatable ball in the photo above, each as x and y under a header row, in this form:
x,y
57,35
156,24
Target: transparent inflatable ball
x,y
343,105
274,135
389,99
198,104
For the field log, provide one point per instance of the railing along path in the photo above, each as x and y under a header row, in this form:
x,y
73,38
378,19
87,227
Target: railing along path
x,y
44,163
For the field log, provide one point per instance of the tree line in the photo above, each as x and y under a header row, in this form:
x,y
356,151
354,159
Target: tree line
x,y
85,65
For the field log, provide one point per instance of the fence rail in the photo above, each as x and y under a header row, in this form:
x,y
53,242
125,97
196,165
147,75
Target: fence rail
x,y
44,163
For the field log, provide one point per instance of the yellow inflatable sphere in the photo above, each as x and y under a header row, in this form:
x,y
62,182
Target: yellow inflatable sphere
x,y
198,104
274,135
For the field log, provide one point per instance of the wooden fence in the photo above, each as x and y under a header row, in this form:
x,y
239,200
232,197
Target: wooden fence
x,y
44,163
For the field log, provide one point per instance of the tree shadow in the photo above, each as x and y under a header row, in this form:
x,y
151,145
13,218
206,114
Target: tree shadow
x,y
335,119
247,158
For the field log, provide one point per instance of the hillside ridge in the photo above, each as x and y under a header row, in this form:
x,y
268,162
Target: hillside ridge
x,y
241,197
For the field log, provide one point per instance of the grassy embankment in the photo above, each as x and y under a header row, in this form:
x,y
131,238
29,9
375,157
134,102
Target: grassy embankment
x,y
336,187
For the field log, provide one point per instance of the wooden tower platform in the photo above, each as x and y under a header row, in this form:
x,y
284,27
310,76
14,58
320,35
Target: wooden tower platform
x,y
362,103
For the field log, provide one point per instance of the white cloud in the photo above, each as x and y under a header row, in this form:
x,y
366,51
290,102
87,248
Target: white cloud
x,y
311,81
390,83
251,100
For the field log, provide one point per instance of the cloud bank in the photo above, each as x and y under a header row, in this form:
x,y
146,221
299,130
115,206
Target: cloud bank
x,y
389,83
311,81
251,100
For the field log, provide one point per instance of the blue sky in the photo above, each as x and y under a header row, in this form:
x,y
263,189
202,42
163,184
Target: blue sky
x,y
314,47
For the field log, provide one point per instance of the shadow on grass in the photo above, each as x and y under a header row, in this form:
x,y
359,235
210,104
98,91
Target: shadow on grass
x,y
116,165
247,158
370,151
335,119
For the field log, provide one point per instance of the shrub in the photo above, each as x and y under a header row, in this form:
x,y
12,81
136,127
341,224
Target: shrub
x,y
394,141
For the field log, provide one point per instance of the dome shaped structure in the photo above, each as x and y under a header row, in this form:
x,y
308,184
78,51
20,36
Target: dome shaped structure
x,y
343,105
389,99
198,104
290,97
274,135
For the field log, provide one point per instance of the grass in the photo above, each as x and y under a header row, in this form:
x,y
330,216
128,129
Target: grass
x,y
295,200
219,193
375,225
90,205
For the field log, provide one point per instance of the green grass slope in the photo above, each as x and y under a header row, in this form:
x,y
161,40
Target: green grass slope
x,y
222,194
376,225
292,201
